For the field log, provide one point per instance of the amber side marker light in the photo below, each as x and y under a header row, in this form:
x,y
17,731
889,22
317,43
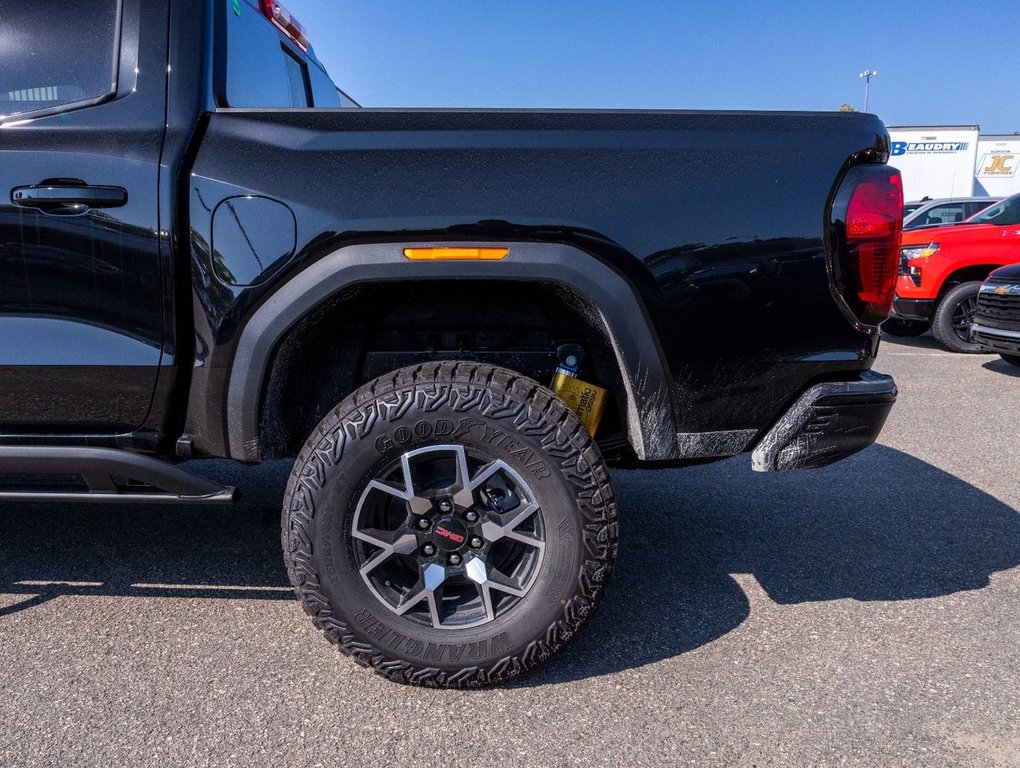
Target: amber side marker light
x,y
461,254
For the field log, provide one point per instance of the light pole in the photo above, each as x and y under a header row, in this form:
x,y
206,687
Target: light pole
x,y
867,75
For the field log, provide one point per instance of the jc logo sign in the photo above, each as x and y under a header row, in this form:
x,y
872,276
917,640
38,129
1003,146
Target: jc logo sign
x,y
999,165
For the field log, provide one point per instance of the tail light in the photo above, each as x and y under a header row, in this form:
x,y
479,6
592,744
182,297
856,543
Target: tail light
x,y
864,240
283,19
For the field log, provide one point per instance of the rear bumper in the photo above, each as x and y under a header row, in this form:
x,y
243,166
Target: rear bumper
x,y
829,422
913,309
996,339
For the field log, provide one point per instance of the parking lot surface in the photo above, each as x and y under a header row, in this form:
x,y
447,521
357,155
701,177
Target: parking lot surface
x,y
863,614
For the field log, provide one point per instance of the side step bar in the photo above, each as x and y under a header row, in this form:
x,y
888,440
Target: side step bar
x,y
106,475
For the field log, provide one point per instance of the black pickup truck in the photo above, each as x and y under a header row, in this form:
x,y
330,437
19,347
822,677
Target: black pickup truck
x,y
455,321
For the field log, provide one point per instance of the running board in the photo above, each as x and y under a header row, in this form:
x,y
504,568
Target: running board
x,y
102,475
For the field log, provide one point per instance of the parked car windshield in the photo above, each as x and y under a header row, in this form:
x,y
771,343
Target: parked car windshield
x,y
1005,212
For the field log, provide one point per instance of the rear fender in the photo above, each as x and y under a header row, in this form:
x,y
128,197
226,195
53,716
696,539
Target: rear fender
x,y
648,413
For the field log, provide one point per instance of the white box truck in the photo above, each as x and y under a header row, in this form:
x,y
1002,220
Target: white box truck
x,y
998,160
936,161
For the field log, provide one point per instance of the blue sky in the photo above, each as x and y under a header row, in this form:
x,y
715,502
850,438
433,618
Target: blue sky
x,y
938,62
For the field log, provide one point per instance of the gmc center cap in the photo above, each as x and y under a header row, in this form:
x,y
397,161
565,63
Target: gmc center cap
x,y
450,534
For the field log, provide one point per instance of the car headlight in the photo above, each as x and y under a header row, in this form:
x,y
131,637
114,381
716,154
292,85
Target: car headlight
x,y
911,252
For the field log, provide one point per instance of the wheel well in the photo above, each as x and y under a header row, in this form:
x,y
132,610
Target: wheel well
x,y
964,275
374,328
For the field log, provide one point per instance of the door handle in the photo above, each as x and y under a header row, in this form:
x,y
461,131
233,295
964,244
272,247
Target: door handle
x,y
68,196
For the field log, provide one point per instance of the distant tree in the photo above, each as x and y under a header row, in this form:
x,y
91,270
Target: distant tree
x,y
847,108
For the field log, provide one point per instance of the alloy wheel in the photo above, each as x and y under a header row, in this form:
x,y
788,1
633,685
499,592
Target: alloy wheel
x,y
963,318
448,537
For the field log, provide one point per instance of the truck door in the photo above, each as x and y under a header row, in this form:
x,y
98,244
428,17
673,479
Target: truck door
x,y
82,114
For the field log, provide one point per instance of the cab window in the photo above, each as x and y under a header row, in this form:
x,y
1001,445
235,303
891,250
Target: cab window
x,y
324,92
261,69
56,54
297,80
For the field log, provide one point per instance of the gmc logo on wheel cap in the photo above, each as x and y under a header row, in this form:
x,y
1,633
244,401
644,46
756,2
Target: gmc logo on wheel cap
x,y
448,534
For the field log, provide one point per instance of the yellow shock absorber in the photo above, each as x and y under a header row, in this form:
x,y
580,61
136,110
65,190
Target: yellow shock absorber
x,y
586,400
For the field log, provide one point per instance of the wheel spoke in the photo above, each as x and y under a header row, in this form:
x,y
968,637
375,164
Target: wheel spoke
x,y
378,559
524,538
435,598
520,514
405,544
462,496
418,593
418,505
504,528
502,582
433,576
459,489
428,588
376,537
485,593
477,570
378,485
963,318
407,603
486,578
486,472
390,543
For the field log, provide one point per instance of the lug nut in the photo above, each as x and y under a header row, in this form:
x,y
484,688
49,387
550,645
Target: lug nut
x,y
423,523
428,550
471,516
446,506
476,542
454,559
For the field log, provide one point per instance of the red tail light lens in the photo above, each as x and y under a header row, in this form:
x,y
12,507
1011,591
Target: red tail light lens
x,y
865,229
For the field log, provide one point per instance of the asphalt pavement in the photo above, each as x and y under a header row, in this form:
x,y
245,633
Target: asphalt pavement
x,y
863,614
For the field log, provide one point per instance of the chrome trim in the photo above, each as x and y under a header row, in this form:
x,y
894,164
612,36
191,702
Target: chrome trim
x,y
1011,289
1002,334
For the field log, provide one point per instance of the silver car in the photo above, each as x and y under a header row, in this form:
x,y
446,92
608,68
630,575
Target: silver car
x,y
922,214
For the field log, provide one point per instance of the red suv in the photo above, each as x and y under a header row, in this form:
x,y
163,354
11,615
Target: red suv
x,y
941,271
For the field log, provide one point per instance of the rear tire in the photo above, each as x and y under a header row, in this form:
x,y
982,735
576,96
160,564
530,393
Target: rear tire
x,y
953,317
896,327
1011,359
450,525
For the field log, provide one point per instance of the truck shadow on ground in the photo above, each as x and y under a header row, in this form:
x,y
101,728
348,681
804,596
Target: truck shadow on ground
x,y
881,525
1001,366
923,342
48,550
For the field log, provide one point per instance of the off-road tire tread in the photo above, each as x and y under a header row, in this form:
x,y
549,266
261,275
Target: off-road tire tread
x,y
498,393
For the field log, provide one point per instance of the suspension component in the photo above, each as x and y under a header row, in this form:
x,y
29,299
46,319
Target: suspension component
x,y
586,400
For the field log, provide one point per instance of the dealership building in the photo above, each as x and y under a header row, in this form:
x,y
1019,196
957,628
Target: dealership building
x,y
954,161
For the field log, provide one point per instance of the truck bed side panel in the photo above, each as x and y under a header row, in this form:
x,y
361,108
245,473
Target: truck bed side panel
x,y
717,219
